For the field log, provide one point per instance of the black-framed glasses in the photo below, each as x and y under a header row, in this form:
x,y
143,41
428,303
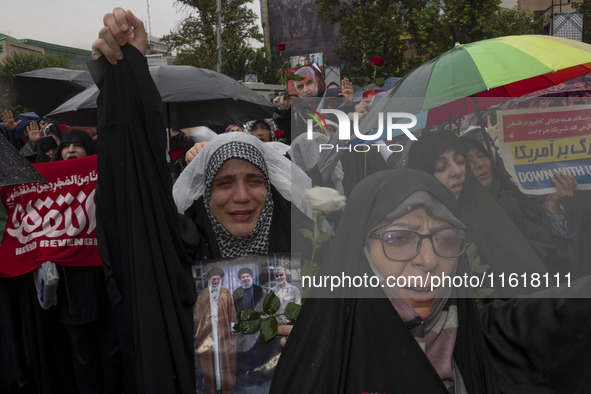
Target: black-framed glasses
x,y
404,245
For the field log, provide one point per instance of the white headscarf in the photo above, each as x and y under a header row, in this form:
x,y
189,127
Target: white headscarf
x,y
289,180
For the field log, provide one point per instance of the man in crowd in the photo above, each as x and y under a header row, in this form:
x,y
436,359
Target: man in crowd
x,y
252,351
215,338
285,291
248,296
309,86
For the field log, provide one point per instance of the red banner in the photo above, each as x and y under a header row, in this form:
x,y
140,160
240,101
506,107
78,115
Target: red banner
x,y
53,222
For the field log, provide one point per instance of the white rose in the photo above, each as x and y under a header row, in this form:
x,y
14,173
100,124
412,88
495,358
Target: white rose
x,y
324,199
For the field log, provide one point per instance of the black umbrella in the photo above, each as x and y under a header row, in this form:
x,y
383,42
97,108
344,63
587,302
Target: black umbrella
x,y
192,97
80,110
15,169
43,90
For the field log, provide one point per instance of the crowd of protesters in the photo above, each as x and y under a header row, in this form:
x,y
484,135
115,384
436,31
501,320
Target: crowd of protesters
x,y
136,324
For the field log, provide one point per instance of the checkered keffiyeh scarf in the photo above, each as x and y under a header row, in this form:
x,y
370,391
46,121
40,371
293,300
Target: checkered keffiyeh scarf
x,y
257,242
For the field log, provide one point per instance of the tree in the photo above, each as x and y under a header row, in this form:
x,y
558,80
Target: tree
x,y
19,63
240,60
367,30
263,67
513,22
406,33
584,7
194,40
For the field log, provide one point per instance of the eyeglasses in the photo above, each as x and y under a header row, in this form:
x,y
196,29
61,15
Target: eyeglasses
x,y
404,245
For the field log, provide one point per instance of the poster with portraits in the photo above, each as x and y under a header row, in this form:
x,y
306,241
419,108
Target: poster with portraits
x,y
311,58
227,360
309,83
296,24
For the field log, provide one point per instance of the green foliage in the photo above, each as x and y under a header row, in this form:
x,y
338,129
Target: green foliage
x,y
241,60
251,321
262,66
367,31
19,63
292,311
248,322
269,328
406,33
585,8
513,22
195,43
307,233
236,60
271,303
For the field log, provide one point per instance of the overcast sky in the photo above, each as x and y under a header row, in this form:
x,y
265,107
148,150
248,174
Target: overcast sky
x,y
76,23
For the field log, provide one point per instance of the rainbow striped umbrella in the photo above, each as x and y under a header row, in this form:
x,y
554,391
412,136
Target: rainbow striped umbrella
x,y
490,70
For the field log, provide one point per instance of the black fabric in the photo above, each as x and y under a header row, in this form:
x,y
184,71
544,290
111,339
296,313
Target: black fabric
x,y
238,295
351,344
82,295
148,273
96,358
501,245
526,214
424,153
182,142
359,165
542,345
283,122
179,145
10,136
34,351
43,146
76,136
578,209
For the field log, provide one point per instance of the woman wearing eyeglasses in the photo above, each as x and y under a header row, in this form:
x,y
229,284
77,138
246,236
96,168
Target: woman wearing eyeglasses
x,y
414,338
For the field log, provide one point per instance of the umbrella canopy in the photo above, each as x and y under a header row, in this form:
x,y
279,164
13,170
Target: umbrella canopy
x,y
488,72
45,89
192,97
576,90
389,83
80,110
15,169
25,118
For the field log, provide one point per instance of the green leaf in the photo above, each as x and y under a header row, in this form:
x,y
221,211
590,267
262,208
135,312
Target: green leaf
x,y
307,234
365,81
271,303
269,328
248,322
323,237
379,81
292,310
